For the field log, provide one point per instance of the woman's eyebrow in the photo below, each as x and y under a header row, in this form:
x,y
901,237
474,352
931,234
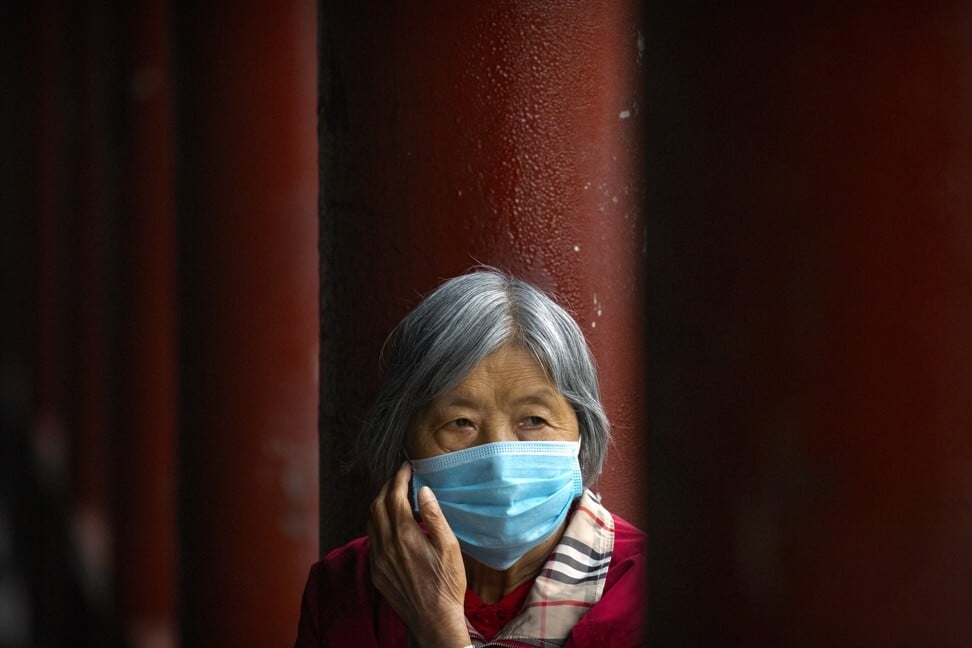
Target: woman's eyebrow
x,y
457,400
543,396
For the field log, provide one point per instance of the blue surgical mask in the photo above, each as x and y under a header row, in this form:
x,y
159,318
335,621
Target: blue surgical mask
x,y
502,499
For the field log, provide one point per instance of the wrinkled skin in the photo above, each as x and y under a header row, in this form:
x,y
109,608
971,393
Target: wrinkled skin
x,y
420,574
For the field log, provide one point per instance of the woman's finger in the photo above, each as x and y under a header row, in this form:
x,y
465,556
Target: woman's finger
x,y
440,533
380,524
379,500
397,499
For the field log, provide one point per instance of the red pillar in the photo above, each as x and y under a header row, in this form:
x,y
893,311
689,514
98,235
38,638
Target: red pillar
x,y
146,447
46,203
502,133
811,318
48,120
248,319
90,206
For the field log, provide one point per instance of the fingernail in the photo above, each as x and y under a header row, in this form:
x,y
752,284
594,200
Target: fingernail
x,y
425,495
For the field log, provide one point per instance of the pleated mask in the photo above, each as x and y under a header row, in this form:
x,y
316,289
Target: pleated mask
x,y
502,499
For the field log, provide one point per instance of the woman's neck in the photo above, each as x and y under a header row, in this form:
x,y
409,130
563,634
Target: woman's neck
x,y
492,584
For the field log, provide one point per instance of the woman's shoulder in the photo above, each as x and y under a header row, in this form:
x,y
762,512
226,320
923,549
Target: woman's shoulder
x,y
629,540
618,618
339,601
352,553
344,569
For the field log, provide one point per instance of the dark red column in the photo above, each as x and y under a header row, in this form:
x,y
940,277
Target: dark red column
x,y
502,133
248,319
811,316
46,202
145,453
72,314
47,459
47,120
89,305
20,529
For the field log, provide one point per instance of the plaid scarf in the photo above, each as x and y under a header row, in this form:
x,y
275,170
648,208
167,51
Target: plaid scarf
x,y
571,581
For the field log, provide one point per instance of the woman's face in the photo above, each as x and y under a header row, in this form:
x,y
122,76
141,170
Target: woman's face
x,y
506,397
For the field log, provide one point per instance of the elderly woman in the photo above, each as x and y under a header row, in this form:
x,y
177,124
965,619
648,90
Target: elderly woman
x,y
486,433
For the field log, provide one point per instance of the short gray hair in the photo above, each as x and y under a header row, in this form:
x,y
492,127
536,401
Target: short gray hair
x,y
455,328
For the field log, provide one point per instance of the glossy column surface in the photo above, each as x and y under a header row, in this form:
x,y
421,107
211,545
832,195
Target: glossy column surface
x,y
502,133
810,301
248,313
146,556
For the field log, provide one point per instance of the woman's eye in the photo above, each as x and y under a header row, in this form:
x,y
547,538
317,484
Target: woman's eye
x,y
462,422
533,421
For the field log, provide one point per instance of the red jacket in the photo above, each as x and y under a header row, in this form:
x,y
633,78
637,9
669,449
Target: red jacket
x,y
342,608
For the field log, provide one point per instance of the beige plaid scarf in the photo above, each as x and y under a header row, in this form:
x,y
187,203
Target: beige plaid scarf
x,y
571,581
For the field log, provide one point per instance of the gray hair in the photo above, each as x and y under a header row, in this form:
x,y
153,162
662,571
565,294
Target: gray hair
x,y
455,328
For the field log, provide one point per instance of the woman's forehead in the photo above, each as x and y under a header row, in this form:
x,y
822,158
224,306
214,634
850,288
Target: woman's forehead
x,y
512,372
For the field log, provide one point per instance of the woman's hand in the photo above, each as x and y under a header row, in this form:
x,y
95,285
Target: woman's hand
x,y
421,576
